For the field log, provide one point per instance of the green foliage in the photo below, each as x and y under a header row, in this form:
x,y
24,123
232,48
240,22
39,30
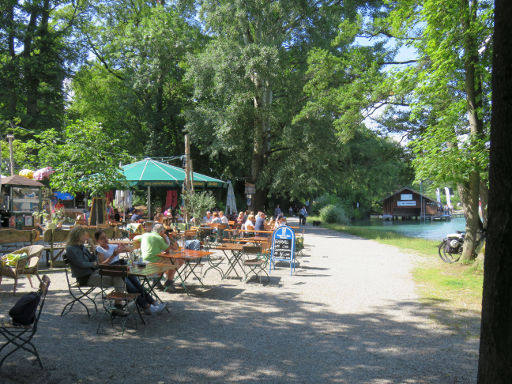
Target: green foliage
x,y
197,203
451,45
36,50
134,84
324,200
83,156
334,214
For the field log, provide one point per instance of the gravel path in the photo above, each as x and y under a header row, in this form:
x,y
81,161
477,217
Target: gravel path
x,y
349,314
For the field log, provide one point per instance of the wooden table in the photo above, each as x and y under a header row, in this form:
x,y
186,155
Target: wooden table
x,y
147,272
49,249
233,260
192,260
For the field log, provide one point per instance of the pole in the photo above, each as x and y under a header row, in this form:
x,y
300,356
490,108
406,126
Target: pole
x,y
189,182
10,138
1,197
149,202
421,200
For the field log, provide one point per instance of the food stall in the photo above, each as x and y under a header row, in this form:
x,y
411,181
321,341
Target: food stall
x,y
20,197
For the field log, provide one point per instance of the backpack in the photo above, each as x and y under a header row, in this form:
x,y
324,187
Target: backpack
x,y
193,244
24,311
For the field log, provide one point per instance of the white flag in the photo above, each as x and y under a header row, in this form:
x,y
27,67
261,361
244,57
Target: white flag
x,y
448,201
438,195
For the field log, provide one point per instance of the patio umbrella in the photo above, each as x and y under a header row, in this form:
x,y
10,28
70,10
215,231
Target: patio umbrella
x,y
151,173
231,201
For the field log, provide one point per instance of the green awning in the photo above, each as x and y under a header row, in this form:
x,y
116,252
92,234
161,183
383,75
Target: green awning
x,y
152,173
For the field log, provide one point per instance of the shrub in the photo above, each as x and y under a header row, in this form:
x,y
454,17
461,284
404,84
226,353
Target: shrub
x,y
323,201
334,214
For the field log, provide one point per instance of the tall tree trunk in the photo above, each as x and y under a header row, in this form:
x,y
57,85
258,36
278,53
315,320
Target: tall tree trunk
x,y
29,68
12,77
469,193
495,363
474,99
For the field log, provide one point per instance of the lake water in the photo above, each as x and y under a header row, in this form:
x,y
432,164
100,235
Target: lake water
x,y
435,230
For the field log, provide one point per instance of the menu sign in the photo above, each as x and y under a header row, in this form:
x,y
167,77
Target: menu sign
x,y
283,243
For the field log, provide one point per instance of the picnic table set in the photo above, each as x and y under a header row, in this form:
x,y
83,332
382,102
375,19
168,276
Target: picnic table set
x,y
232,254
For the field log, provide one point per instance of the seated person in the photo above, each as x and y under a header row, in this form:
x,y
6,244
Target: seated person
x,y
215,218
223,218
240,220
250,223
154,242
109,254
136,216
159,218
260,222
148,226
84,265
281,220
208,218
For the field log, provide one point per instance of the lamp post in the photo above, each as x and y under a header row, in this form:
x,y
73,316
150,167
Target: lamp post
x,y
10,137
421,200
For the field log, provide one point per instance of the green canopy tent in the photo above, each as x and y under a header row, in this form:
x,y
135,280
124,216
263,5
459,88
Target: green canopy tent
x,y
151,173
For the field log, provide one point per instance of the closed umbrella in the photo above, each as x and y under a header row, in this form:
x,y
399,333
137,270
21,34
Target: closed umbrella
x,y
231,201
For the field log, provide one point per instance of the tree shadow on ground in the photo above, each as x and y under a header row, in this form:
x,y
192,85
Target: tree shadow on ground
x,y
233,335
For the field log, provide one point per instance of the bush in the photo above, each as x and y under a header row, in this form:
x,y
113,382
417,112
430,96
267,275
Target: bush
x,y
323,201
334,214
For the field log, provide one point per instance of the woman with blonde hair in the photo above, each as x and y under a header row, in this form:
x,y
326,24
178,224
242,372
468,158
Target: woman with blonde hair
x,y
84,265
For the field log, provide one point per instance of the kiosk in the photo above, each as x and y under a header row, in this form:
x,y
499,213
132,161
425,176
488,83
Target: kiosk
x,y
20,197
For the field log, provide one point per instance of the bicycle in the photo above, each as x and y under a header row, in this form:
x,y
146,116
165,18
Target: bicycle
x,y
450,249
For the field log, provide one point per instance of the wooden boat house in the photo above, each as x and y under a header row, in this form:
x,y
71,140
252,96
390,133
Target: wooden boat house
x,y
406,204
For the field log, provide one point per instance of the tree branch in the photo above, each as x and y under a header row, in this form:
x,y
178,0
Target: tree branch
x,y
102,60
399,62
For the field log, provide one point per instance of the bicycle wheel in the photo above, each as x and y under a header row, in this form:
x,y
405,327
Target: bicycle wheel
x,y
447,257
441,249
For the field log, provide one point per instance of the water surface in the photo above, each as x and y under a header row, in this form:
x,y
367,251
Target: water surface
x,y
435,230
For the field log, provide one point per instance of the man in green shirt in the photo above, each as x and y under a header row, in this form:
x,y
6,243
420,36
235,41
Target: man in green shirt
x,y
154,242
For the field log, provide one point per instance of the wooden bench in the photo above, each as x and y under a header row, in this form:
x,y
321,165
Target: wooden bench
x,y
12,239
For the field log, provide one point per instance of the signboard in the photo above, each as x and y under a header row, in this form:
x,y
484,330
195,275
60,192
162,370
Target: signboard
x,y
283,246
250,189
406,196
406,203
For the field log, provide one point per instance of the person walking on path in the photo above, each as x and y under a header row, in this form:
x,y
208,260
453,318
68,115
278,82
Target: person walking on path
x,y
303,213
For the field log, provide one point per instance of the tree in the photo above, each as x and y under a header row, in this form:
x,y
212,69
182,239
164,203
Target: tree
x,y
134,82
35,55
495,363
248,81
450,91
84,157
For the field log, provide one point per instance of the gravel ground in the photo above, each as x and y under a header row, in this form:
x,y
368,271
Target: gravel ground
x,y
349,314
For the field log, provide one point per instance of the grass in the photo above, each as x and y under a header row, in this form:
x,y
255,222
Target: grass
x,y
454,286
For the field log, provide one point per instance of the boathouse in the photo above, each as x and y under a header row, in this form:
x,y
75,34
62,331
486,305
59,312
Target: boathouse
x,y
406,204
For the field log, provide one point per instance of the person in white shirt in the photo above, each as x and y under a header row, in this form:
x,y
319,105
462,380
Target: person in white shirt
x,y
109,254
223,218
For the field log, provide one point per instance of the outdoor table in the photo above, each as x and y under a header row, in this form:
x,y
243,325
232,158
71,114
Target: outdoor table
x,y
255,239
145,274
191,259
121,241
233,260
49,249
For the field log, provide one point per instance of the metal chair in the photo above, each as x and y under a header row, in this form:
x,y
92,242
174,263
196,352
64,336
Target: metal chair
x,y
24,266
21,336
126,300
257,265
78,293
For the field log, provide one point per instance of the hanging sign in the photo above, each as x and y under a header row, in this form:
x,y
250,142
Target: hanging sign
x,y
250,189
283,246
406,203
